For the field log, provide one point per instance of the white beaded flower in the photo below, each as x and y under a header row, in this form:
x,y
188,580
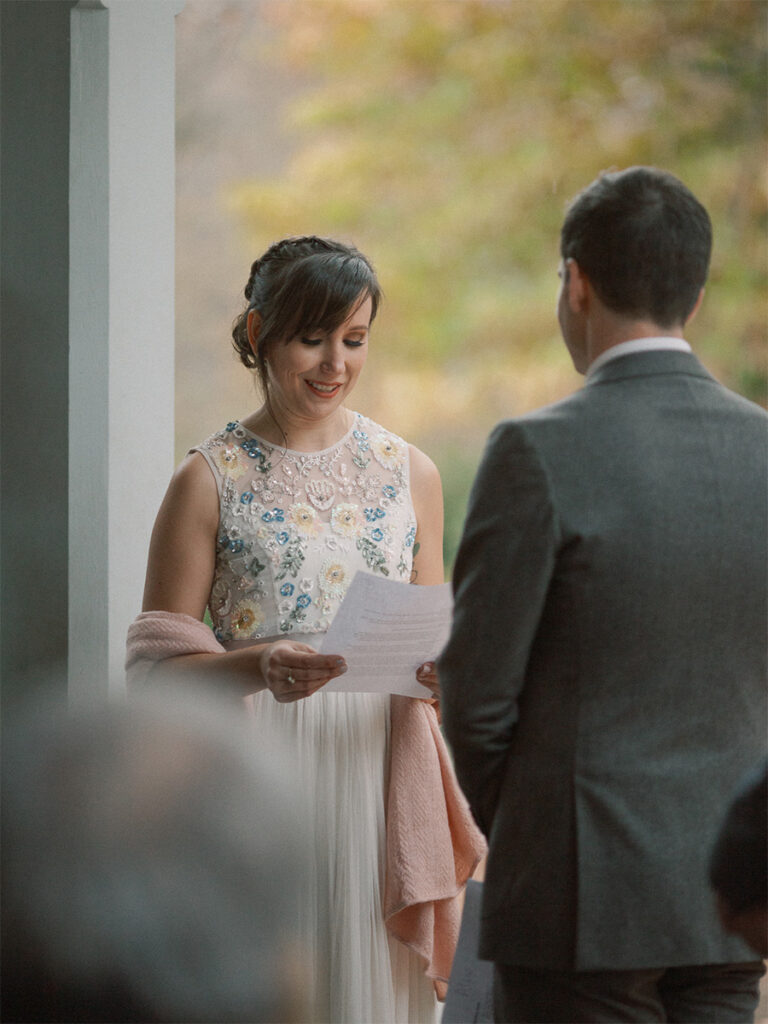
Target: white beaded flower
x,y
334,578
305,519
347,520
389,451
228,461
246,618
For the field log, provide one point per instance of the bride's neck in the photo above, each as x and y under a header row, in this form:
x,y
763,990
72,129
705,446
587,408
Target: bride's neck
x,y
283,430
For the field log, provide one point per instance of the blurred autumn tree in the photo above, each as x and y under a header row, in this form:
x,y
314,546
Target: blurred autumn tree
x,y
445,137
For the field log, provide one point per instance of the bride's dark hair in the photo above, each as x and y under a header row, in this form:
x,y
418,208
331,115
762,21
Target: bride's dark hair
x,y
300,286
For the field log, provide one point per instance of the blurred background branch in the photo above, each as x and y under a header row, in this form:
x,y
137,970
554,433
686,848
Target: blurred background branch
x,y
444,138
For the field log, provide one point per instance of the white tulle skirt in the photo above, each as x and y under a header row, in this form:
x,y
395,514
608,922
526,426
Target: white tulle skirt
x,y
359,974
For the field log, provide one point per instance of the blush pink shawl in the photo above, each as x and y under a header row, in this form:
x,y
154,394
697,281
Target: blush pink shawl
x,y
433,844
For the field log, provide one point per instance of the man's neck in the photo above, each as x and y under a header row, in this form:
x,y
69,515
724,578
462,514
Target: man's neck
x,y
613,331
602,340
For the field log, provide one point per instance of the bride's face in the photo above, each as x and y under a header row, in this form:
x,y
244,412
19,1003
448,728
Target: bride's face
x,y
310,375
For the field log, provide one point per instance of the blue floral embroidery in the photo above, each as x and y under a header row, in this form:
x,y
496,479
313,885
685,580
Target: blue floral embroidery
x,y
283,537
231,426
410,537
253,451
299,613
246,497
377,534
372,514
287,589
236,545
389,491
277,515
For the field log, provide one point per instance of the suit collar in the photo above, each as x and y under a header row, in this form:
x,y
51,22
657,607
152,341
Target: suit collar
x,y
660,342
648,364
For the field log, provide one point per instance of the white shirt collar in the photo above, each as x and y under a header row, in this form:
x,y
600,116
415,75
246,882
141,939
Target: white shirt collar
x,y
625,348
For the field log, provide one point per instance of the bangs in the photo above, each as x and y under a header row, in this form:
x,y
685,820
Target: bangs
x,y
322,292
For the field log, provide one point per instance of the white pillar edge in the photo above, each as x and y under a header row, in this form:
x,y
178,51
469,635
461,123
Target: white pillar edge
x,y
122,320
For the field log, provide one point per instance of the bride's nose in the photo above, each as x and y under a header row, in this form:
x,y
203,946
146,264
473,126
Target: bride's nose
x,y
333,358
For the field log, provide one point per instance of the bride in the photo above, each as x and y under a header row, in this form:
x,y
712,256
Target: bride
x,y
263,525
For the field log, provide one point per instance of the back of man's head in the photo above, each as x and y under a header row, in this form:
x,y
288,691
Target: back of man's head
x,y
644,241
153,860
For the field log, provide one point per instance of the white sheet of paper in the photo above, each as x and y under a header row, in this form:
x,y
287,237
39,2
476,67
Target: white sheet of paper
x,y
384,630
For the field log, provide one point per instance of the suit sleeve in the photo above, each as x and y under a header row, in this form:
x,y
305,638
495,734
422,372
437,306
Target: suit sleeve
x,y
500,582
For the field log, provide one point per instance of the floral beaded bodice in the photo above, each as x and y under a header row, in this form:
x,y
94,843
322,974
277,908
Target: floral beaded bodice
x,y
295,526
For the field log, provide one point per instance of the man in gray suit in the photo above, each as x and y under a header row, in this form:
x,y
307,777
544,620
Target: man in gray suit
x,y
604,686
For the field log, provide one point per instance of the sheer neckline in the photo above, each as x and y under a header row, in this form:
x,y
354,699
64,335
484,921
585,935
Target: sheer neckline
x,y
296,452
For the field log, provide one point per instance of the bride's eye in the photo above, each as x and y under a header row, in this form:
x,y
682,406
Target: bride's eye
x,y
311,341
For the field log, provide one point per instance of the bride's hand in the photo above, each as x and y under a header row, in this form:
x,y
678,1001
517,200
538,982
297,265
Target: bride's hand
x,y
293,671
426,674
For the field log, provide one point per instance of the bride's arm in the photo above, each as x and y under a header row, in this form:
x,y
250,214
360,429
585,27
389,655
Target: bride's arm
x,y
182,551
182,559
427,496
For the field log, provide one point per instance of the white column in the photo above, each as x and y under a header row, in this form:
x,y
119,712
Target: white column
x,y
121,319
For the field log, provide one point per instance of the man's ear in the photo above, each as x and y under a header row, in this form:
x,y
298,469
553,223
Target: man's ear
x,y
577,286
253,323
696,307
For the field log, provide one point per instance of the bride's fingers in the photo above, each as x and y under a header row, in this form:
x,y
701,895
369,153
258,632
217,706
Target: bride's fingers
x,y
426,674
319,667
293,677
289,693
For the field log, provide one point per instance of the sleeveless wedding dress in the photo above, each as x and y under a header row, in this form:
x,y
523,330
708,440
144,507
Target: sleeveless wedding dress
x,y
294,528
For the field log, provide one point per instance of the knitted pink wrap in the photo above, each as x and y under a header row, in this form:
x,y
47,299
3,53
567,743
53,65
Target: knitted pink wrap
x,y
433,844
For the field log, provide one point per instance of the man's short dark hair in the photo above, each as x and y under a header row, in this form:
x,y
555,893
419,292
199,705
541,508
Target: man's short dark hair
x,y
644,241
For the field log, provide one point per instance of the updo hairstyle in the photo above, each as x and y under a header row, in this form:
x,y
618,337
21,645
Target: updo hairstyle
x,y
304,286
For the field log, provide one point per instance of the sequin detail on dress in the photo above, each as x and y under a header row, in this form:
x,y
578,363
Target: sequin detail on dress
x,y
296,526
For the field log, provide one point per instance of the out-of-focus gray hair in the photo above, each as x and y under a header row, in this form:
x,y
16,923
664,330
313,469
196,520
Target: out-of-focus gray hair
x,y
153,865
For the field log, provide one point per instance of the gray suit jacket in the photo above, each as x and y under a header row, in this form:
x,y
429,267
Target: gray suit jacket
x,y
604,686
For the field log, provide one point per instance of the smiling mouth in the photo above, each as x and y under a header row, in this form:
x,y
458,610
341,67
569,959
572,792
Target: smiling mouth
x,y
322,389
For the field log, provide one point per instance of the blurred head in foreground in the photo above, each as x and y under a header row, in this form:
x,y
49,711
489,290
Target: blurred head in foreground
x,y
152,867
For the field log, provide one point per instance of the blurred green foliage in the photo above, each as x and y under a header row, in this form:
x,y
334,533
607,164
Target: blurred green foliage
x,y
445,137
